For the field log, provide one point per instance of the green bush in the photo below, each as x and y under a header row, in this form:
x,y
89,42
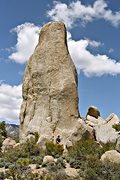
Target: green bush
x,y
4,163
81,151
3,129
23,161
3,133
29,150
37,159
85,155
18,172
59,175
2,176
116,127
107,147
54,150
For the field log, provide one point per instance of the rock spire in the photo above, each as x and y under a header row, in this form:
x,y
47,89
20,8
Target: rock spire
x,y
50,97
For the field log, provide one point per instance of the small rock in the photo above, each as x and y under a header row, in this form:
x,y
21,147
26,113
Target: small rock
x,y
71,172
17,145
69,144
111,156
42,171
48,159
33,166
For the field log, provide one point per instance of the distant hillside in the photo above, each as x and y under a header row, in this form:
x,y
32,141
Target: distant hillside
x,y
12,130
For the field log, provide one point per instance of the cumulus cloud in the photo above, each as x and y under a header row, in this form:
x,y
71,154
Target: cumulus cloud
x,y
90,64
27,38
84,60
76,11
10,101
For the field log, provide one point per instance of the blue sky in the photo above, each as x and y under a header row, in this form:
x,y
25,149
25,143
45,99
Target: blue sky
x,y
93,40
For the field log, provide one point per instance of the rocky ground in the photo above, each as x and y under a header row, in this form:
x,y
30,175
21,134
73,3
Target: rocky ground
x,y
94,155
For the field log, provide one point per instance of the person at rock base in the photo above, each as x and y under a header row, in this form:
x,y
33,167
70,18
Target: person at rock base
x,y
58,139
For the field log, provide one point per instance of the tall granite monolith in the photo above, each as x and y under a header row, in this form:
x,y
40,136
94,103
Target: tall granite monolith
x,y
50,96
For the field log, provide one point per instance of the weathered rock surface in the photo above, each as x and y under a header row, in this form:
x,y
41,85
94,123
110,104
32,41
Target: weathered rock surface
x,y
92,121
81,132
111,156
7,144
105,132
93,111
71,172
48,159
50,97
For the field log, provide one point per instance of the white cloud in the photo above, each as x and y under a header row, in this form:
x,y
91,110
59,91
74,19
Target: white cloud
x,y
111,50
76,11
94,43
90,64
27,38
10,101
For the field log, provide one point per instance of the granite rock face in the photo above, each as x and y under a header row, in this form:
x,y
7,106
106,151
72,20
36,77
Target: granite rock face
x,y
50,97
104,132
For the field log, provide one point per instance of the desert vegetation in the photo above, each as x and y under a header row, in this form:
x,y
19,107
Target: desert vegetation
x,y
84,156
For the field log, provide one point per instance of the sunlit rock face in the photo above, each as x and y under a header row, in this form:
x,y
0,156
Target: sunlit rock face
x,y
50,97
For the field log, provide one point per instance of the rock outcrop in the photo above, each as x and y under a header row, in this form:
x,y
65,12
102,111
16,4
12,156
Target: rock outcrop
x,y
50,97
104,132
8,143
93,111
111,156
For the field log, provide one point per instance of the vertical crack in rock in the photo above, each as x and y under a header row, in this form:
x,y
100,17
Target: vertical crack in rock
x,y
50,97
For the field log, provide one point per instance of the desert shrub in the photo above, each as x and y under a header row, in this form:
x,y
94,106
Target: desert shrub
x,y
2,176
30,147
3,129
3,133
107,147
60,163
18,172
81,151
85,155
23,161
60,175
29,150
4,163
94,169
37,159
116,127
54,150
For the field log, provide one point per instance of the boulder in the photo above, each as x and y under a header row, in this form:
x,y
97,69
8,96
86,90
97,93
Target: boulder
x,y
33,166
71,172
105,132
92,121
111,156
81,132
113,119
42,172
8,143
93,111
50,95
48,159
